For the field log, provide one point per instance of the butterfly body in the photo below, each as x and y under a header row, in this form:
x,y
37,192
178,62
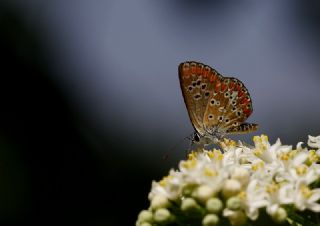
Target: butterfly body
x,y
217,105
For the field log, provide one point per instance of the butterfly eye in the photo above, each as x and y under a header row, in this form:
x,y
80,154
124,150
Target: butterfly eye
x,y
235,124
226,95
198,82
196,137
220,118
239,113
234,109
207,94
190,88
212,101
217,103
226,120
194,84
210,117
234,103
203,86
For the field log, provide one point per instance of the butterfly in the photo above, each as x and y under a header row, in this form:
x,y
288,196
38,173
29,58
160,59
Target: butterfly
x,y
217,105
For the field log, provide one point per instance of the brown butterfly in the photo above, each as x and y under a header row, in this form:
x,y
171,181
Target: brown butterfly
x,y
217,105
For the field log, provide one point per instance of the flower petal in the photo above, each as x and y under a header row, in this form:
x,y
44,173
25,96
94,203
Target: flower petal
x,y
314,142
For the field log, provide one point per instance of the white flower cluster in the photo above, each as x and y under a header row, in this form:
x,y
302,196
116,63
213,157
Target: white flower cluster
x,y
238,184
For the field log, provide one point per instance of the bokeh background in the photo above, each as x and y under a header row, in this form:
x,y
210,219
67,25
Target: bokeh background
x,y
91,108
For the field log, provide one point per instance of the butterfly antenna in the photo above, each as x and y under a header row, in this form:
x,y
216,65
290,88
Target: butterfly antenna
x,y
190,138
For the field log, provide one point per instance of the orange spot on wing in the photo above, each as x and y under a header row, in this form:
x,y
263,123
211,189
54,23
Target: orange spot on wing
x,y
193,69
231,85
223,87
217,87
245,101
199,70
185,71
240,93
205,73
247,112
213,77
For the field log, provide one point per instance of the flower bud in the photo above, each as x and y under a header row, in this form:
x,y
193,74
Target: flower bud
x,y
237,218
280,215
162,215
214,205
145,216
188,189
243,160
241,175
159,201
145,224
230,188
234,203
203,193
189,204
210,220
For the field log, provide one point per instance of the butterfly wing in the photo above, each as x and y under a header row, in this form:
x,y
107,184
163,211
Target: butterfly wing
x,y
196,81
243,128
213,101
239,108
233,102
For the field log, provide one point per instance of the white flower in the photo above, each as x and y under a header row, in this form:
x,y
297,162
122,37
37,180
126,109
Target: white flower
x,y
204,168
314,142
266,177
274,198
301,196
255,198
242,175
263,150
294,169
156,188
169,186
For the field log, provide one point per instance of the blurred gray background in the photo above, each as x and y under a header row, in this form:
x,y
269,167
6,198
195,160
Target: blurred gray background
x,y
115,65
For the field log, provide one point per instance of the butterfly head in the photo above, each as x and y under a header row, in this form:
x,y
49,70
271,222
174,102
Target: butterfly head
x,y
208,138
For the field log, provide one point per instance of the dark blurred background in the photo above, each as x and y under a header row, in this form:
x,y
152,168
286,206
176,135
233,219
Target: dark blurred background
x,y
90,99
